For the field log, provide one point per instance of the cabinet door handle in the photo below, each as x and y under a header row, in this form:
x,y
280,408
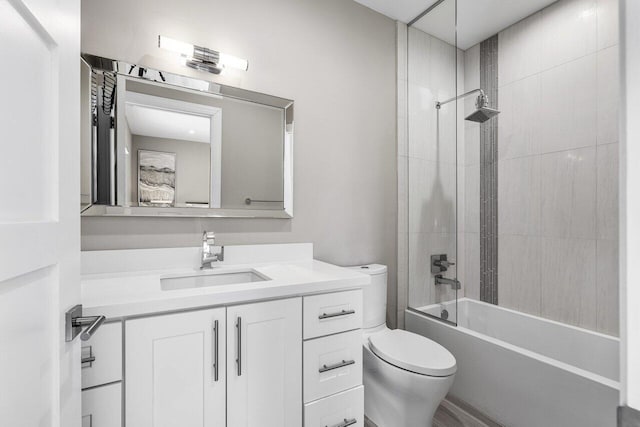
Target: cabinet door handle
x,y
89,359
239,345
215,350
346,423
338,314
344,363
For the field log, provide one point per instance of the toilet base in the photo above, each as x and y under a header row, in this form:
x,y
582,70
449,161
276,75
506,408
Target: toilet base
x,y
395,397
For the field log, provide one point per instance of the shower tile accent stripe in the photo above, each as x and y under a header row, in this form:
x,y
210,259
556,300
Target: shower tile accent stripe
x,y
489,175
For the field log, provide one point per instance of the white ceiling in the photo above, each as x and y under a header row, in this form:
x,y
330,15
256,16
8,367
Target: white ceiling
x,y
477,19
158,123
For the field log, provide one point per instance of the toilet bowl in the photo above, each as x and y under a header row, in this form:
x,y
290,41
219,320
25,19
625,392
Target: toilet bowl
x,y
406,375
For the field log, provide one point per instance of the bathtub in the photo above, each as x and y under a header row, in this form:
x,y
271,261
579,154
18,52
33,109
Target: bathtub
x,y
525,371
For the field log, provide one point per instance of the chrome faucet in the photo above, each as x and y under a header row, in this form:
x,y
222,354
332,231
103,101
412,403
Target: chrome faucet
x,y
208,256
441,280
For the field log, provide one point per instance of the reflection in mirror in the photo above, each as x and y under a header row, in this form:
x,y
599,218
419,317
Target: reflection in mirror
x,y
171,151
163,148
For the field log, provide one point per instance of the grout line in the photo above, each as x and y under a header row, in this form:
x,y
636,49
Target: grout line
x,y
544,70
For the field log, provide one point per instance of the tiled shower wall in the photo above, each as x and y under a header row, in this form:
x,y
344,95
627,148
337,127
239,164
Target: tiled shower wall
x,y
557,167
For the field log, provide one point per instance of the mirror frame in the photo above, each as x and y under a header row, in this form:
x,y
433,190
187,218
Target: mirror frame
x,y
190,84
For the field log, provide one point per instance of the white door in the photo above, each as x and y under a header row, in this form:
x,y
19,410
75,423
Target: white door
x,y
264,364
172,378
39,211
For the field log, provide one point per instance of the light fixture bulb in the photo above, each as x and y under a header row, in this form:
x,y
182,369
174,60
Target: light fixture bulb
x,y
202,58
184,49
227,60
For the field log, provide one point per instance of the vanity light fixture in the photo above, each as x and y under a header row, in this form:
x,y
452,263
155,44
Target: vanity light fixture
x,y
202,58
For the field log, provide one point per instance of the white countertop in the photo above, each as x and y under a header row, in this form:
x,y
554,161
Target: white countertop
x,y
128,292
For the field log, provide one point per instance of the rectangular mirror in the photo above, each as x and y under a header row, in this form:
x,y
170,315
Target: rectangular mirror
x,y
160,144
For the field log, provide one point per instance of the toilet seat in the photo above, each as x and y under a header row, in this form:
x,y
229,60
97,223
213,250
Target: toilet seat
x,y
413,353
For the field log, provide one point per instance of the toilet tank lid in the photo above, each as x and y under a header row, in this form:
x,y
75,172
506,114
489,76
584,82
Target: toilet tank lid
x,y
371,269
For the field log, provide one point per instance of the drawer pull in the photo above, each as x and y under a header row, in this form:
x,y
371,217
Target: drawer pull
x,y
338,314
346,423
89,359
342,364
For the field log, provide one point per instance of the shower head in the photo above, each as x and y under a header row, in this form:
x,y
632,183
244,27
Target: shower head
x,y
483,112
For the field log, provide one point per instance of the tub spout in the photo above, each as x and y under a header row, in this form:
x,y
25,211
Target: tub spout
x,y
441,280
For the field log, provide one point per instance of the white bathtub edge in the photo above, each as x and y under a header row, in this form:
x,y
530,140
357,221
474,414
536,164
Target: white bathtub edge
x,y
528,353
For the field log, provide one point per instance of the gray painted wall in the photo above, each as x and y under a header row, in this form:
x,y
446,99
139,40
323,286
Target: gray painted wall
x,y
336,59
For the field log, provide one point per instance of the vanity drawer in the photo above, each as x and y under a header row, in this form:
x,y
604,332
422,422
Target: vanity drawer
x,y
102,406
328,314
338,410
104,350
332,364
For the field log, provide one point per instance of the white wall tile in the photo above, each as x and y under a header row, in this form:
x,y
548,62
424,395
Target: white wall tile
x,y
403,184
607,191
568,31
519,260
472,67
418,57
569,106
568,188
401,49
519,126
568,278
608,95
519,48
471,213
471,143
403,270
471,277
607,16
432,196
519,196
607,287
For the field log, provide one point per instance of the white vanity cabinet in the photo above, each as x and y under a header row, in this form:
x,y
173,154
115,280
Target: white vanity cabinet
x,y
102,406
101,377
264,364
172,378
333,392
180,348
242,364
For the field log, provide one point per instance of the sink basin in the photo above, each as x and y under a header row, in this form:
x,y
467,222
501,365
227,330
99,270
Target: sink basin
x,y
211,279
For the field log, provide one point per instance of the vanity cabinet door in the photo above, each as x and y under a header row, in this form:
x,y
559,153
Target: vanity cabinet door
x,y
102,406
264,364
170,372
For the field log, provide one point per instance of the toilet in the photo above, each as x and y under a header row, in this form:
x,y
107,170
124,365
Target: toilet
x,y
406,375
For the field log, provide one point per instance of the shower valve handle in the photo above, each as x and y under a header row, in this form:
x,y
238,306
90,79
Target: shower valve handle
x,y
445,264
440,263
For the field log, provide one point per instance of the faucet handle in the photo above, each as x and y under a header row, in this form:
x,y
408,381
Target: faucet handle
x,y
440,263
209,237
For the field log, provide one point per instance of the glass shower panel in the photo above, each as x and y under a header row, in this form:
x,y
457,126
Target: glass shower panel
x,y
434,70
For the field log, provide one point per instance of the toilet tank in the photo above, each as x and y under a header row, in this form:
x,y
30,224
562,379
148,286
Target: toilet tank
x,y
374,295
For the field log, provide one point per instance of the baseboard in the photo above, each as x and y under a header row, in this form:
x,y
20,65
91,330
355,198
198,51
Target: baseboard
x,y
477,414
628,417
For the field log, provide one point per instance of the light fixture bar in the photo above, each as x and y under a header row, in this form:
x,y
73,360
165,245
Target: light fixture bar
x,y
202,58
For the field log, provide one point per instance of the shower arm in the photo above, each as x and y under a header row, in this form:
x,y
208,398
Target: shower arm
x,y
464,95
